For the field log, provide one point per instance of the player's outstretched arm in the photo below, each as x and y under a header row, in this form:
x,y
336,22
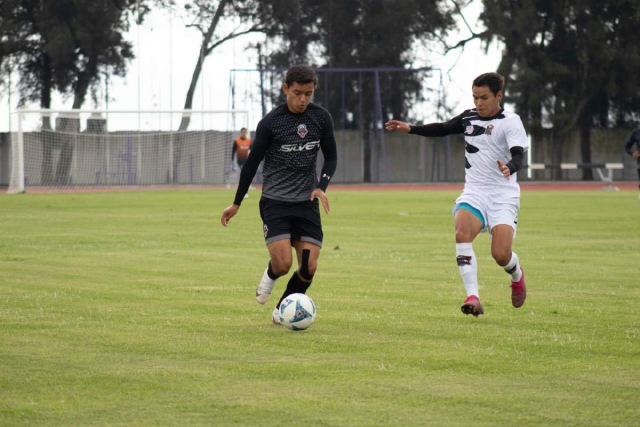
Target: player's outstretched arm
x,y
452,127
397,126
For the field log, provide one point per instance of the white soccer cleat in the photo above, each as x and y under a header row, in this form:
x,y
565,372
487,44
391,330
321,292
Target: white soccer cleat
x,y
263,291
275,317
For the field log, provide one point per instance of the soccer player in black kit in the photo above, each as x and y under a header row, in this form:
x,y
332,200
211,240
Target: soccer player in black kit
x,y
632,147
288,139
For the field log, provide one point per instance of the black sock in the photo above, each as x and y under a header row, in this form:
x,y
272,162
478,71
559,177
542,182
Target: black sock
x,y
295,286
270,273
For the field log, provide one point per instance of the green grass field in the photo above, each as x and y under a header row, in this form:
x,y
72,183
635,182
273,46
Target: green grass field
x,y
129,309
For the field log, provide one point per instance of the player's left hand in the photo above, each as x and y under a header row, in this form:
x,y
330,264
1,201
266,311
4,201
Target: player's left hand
x,y
636,154
504,169
319,194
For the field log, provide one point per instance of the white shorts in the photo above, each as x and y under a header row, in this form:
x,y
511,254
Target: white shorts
x,y
491,207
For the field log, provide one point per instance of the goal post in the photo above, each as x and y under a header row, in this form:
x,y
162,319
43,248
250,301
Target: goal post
x,y
87,150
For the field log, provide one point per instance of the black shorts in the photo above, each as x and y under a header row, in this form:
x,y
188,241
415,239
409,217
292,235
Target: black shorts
x,y
241,163
291,220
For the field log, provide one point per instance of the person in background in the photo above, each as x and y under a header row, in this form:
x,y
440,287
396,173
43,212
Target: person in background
x,y
632,147
241,148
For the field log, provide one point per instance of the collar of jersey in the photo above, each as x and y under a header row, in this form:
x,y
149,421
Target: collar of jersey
x,y
486,119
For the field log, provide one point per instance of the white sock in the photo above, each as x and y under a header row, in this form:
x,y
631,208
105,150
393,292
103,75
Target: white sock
x,y
468,267
267,283
513,268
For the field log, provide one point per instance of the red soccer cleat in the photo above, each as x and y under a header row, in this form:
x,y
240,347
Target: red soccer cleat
x,y
518,291
472,306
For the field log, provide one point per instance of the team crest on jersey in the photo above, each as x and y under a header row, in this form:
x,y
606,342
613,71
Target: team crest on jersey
x,y
489,130
302,131
469,129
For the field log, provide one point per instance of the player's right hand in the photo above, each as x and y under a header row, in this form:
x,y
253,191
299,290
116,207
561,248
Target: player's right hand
x,y
228,213
636,154
397,126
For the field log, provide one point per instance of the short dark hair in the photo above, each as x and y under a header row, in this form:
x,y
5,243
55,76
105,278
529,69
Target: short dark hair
x,y
241,129
494,81
301,74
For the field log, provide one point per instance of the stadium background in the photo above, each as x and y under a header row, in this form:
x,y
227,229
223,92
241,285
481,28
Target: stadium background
x,y
165,46
136,308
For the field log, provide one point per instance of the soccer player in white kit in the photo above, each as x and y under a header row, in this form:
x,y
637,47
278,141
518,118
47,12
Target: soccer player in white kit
x,y
495,142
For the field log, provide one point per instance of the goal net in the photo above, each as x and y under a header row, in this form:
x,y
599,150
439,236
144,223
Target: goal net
x,y
95,150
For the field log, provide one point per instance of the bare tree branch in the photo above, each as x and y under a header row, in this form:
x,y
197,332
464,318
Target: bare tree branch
x,y
459,11
463,42
233,35
441,40
195,26
206,39
455,63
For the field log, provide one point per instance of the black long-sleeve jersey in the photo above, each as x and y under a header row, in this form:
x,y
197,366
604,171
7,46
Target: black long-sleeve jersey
x,y
289,144
634,139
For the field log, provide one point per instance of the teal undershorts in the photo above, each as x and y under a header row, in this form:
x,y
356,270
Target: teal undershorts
x,y
474,211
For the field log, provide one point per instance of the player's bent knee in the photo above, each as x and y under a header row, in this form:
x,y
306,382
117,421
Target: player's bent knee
x,y
463,237
280,271
501,257
281,266
309,271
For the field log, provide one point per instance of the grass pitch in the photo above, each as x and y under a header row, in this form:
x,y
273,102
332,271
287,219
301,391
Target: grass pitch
x,y
129,309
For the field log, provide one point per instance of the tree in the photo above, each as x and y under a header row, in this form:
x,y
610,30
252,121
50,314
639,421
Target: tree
x,y
96,29
13,35
206,16
357,33
568,64
66,45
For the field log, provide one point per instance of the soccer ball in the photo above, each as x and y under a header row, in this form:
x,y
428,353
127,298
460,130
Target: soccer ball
x,y
297,312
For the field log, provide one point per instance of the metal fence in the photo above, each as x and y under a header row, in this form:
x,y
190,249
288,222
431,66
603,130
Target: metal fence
x,y
409,158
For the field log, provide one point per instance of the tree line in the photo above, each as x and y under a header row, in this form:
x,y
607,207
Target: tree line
x,y
570,64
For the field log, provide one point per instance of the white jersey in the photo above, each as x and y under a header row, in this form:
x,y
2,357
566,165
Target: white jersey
x,y
487,140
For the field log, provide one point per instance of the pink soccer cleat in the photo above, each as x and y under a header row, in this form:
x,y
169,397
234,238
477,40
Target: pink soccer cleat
x,y
472,305
518,291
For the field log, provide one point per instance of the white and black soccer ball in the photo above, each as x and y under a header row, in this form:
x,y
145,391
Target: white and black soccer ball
x,y
297,312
